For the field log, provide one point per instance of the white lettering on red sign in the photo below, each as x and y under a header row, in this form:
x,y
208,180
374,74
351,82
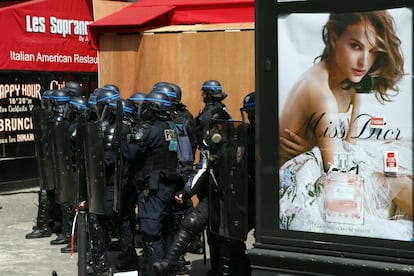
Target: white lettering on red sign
x,y
58,26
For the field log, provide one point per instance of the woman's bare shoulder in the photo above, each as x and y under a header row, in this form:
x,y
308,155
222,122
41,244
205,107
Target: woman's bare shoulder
x,y
313,83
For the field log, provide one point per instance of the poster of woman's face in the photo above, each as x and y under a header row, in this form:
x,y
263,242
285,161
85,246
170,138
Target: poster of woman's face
x,y
345,110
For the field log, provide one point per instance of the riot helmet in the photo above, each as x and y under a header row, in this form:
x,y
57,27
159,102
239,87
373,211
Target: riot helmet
x,y
137,100
74,88
92,104
59,100
92,98
45,101
177,90
159,83
127,111
103,99
78,106
166,88
156,104
249,107
213,91
127,106
111,87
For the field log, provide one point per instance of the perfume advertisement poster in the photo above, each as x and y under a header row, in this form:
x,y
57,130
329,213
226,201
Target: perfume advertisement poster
x,y
345,123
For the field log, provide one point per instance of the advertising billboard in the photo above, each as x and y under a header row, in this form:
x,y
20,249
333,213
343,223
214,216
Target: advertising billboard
x,y
334,137
345,107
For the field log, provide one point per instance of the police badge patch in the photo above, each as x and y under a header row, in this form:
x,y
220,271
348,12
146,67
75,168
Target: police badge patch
x,y
169,135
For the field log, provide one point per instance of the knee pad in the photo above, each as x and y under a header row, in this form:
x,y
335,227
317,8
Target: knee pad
x,y
192,222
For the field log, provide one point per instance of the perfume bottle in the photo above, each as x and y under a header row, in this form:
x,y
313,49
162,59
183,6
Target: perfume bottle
x,y
344,190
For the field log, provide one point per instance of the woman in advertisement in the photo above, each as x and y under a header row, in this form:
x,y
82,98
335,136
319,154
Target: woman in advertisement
x,y
342,172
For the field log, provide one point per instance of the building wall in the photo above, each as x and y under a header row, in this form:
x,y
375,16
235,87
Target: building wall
x,y
185,55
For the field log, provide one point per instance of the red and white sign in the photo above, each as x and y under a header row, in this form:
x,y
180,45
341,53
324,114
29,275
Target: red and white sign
x,y
377,122
47,35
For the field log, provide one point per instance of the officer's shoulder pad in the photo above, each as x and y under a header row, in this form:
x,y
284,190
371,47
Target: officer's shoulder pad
x,y
145,124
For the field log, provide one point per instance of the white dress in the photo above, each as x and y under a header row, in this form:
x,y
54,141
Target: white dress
x,y
300,201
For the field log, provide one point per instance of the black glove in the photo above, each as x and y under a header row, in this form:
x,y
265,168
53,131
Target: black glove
x,y
184,194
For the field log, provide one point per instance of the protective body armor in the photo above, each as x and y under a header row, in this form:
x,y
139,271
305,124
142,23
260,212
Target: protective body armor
x,y
109,136
160,158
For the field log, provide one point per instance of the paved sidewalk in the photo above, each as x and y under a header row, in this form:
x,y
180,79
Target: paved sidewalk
x,y
23,257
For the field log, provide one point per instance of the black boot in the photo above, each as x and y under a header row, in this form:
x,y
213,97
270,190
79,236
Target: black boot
x,y
196,245
214,246
225,256
171,262
67,222
98,239
129,261
42,229
67,248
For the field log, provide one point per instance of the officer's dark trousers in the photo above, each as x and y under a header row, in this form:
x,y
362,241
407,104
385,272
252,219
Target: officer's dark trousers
x,y
153,213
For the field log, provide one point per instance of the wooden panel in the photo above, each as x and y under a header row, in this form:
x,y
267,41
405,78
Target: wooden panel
x,y
158,60
117,61
135,63
102,8
224,56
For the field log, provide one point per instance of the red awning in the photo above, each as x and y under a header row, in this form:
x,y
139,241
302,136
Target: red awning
x,y
149,14
47,35
132,18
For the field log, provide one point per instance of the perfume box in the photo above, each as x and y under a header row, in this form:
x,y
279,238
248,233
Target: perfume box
x,y
390,163
344,202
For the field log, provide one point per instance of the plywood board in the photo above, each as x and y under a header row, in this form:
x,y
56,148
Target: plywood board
x,y
135,62
102,8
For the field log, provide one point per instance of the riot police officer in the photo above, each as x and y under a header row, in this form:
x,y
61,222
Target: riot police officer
x,y
47,217
249,107
66,145
100,211
153,142
238,197
124,218
77,112
59,131
129,226
195,220
184,120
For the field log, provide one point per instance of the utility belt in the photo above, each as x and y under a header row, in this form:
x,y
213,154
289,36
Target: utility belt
x,y
152,181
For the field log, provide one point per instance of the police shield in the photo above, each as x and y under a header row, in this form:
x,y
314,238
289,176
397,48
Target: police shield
x,y
94,168
40,128
118,157
228,197
80,174
63,162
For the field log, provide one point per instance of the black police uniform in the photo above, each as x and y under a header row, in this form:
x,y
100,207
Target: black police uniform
x,y
159,184
197,218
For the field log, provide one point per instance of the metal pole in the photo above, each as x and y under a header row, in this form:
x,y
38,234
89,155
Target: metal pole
x,y
82,237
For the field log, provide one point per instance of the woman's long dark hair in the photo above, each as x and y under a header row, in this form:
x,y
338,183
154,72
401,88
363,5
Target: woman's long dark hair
x,y
388,67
